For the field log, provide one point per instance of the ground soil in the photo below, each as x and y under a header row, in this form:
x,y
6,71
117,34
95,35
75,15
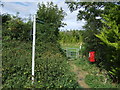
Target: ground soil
x,y
80,74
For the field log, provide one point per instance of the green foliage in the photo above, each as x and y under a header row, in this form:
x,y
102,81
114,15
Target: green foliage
x,y
96,82
72,37
95,77
16,64
5,18
51,67
15,28
54,71
89,11
107,30
51,14
52,17
110,33
110,36
85,65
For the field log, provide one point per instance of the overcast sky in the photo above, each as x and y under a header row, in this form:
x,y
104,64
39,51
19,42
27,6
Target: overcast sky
x,y
26,7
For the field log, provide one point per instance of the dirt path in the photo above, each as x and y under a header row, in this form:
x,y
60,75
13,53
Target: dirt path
x,y
80,75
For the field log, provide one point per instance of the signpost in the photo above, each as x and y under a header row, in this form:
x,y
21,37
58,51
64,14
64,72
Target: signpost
x,y
33,48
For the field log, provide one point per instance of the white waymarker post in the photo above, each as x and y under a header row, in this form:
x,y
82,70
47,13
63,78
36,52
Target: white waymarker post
x,y
33,48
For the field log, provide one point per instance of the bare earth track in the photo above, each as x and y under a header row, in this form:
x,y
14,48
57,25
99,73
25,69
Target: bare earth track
x,y
80,74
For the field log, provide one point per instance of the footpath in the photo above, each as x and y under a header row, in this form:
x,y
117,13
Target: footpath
x,y
80,74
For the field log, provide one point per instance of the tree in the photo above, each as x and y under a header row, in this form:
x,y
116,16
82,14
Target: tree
x,y
5,18
110,36
15,28
89,11
52,17
107,30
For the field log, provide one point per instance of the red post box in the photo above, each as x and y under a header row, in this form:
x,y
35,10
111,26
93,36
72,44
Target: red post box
x,y
92,56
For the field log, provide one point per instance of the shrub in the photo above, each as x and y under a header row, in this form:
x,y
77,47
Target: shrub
x,y
51,68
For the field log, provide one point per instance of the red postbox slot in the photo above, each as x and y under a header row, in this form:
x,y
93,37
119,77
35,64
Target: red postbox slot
x,y
92,56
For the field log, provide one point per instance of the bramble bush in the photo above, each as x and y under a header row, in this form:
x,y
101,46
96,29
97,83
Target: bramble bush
x,y
51,68
15,28
16,64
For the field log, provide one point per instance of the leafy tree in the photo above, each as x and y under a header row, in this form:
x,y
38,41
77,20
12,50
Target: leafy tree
x,y
107,30
89,11
15,28
110,36
75,36
52,17
5,18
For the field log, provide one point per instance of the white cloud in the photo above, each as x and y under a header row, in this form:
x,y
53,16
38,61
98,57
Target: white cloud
x,y
73,25
26,7
19,0
25,10
27,0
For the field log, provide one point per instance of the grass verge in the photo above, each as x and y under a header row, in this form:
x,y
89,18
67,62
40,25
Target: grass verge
x,y
95,77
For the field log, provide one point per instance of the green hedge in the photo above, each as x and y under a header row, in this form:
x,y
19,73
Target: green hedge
x,y
51,67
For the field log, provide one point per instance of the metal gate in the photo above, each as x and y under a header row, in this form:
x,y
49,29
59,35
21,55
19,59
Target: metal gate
x,y
72,52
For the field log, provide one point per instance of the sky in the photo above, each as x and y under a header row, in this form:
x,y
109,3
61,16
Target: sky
x,y
26,7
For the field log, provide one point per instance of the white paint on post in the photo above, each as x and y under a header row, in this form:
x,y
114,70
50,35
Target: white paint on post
x,y
80,47
33,48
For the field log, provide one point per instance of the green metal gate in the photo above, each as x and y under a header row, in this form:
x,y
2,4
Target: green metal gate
x,y
72,52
